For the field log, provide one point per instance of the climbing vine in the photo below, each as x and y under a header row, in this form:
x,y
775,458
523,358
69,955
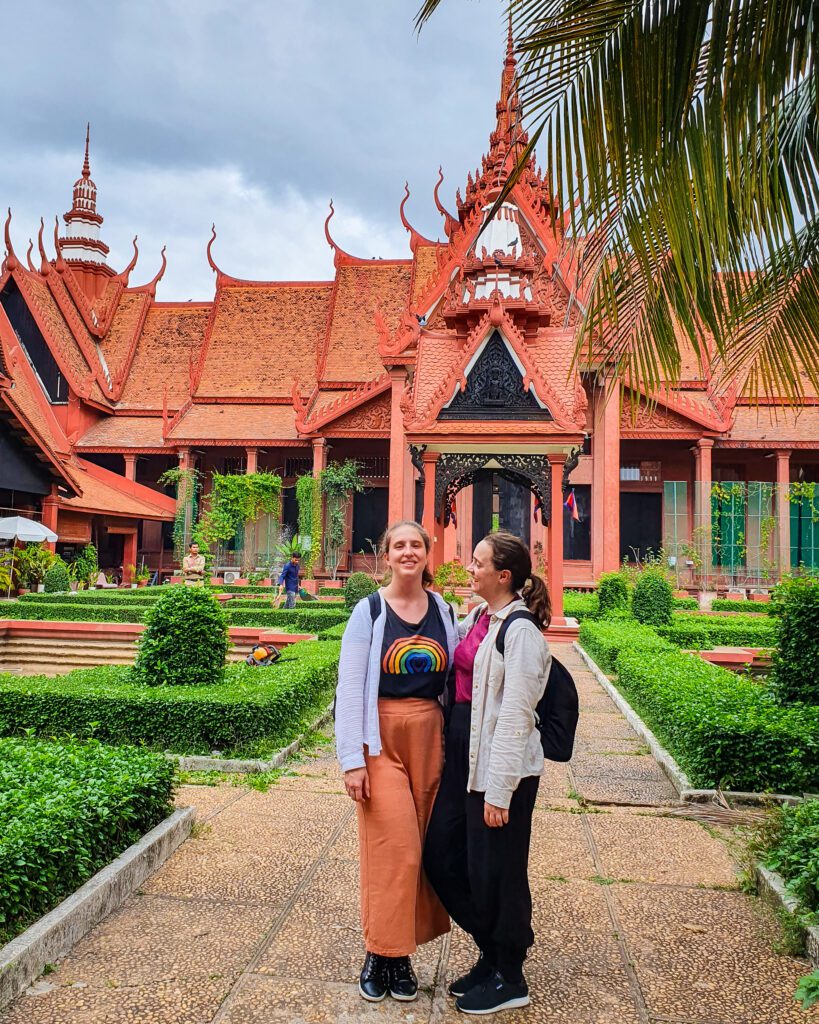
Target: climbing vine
x,y
188,484
308,499
237,499
339,481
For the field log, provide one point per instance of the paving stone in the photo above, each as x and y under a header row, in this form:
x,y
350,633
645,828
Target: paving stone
x,y
209,869
604,725
558,847
702,955
207,800
653,793
154,938
554,782
263,1000
617,766
180,1001
599,702
666,850
346,846
334,890
607,745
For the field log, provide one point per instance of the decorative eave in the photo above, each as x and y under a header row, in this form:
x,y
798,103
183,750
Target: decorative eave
x,y
338,407
685,406
398,348
416,238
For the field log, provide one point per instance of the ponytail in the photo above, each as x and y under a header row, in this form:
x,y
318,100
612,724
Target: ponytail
x,y
510,553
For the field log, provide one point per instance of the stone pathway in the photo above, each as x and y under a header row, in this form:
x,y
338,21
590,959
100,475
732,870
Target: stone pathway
x,y
254,920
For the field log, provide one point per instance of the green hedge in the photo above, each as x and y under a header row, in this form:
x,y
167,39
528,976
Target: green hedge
x,y
720,604
703,633
307,619
688,604
794,852
580,606
605,639
252,708
334,632
67,810
722,728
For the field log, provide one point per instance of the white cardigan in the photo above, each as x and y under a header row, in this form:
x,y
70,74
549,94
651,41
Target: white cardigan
x,y
359,676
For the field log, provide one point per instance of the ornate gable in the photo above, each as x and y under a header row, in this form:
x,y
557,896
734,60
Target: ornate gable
x,y
494,388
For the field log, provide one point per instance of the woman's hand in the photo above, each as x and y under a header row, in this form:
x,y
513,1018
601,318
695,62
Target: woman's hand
x,y
495,817
357,784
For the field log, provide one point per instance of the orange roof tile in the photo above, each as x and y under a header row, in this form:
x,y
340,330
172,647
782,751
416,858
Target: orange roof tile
x,y
124,432
110,493
171,336
208,422
776,425
425,268
351,348
263,338
122,334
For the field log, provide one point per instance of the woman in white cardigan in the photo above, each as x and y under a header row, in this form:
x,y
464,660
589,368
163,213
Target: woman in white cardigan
x,y
396,654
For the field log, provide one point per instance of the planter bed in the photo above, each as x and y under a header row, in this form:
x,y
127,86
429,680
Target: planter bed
x,y
253,712
703,632
66,810
723,729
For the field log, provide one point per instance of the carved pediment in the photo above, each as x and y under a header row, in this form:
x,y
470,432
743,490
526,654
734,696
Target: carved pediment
x,y
652,417
495,389
372,416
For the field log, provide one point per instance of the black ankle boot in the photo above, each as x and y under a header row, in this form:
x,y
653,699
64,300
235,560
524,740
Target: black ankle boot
x,y
372,983
403,984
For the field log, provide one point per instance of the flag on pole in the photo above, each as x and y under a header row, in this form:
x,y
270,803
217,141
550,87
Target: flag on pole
x,y
571,504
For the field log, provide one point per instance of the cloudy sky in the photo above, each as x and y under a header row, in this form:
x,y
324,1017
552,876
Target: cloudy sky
x,y
249,113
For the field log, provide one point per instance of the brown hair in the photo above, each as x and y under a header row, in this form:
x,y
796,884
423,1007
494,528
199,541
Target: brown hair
x,y
510,553
426,578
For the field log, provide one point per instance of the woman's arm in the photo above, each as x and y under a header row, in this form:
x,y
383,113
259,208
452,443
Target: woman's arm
x,y
352,674
526,668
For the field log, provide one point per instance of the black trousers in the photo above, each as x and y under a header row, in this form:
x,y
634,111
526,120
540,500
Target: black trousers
x,y
481,874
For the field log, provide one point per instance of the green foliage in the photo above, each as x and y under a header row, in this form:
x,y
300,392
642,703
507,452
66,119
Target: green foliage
x,y
66,810
807,991
237,499
339,481
605,639
747,607
723,729
795,674
689,604
701,632
56,579
251,706
358,586
188,484
794,852
185,640
32,563
308,499
85,567
580,606
450,575
652,601
612,593
334,632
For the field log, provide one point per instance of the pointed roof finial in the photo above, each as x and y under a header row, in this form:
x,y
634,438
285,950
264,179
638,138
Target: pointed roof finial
x,y
86,167
510,41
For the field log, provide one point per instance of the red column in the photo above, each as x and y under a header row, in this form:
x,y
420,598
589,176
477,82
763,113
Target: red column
x,y
783,510
432,527
129,555
251,460
606,478
50,509
130,466
556,462
398,453
702,501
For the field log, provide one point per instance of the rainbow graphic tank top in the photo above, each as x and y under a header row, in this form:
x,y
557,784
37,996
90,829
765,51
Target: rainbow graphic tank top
x,y
414,659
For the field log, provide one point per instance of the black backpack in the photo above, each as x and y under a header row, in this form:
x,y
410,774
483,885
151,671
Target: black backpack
x,y
558,709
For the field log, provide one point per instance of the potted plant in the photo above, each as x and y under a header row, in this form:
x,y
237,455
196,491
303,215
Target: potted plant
x,y
34,562
132,575
142,575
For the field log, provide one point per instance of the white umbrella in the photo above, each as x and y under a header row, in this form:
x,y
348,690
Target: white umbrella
x,y
28,530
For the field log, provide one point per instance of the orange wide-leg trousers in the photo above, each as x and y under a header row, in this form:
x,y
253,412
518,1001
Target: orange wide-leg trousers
x,y
399,910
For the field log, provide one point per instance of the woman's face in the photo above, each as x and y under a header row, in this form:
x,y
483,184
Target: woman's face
x,y
487,581
407,555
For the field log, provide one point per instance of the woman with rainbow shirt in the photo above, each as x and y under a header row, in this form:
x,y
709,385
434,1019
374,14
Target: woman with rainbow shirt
x,y
395,658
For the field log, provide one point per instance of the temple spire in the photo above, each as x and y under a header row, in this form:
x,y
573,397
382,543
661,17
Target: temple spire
x,y
86,167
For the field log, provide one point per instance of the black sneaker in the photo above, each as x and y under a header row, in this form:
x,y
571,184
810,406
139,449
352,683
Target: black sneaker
x,y
493,995
481,971
401,980
372,983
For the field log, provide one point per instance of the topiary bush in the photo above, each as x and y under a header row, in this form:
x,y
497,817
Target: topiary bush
x,y
653,600
612,593
185,640
359,585
56,579
795,673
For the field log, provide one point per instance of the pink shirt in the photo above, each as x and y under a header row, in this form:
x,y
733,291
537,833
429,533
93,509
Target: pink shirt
x,y
465,659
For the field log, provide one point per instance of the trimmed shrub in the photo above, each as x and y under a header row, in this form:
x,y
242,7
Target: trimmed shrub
x,y
56,579
720,604
688,604
795,674
604,640
612,593
653,600
358,586
251,712
580,606
723,729
701,632
67,810
185,640
795,851
334,632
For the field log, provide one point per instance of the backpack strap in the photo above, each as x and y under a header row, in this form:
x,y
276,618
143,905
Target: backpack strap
x,y
375,605
500,639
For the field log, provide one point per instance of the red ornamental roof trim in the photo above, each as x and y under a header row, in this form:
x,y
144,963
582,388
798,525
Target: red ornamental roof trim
x,y
351,400
416,238
451,223
685,406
